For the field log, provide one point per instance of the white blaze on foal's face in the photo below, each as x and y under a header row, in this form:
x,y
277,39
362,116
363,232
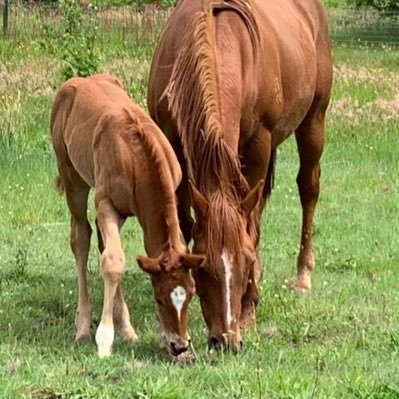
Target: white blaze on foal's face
x,y
178,297
226,259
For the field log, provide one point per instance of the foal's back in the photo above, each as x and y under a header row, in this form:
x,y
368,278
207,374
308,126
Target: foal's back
x,y
98,132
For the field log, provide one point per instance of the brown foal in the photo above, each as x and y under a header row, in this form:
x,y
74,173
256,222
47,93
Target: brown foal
x,y
102,140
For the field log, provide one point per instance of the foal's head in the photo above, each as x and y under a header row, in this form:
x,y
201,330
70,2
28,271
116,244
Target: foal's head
x,y
173,288
223,231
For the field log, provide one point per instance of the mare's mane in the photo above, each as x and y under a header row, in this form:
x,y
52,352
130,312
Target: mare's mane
x,y
193,101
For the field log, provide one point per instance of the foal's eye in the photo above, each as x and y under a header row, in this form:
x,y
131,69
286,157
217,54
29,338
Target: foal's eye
x,y
159,302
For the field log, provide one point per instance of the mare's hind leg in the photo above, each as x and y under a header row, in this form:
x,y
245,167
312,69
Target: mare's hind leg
x,y
76,192
120,313
112,264
310,142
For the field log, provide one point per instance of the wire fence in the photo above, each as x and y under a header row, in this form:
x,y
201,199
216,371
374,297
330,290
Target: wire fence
x,y
347,26
364,27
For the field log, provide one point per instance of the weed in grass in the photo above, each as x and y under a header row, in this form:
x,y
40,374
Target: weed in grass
x,y
21,262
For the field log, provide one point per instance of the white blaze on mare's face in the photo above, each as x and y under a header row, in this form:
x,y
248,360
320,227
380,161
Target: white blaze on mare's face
x,y
227,275
178,296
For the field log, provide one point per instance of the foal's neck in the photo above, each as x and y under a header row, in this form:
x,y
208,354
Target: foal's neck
x,y
160,225
156,181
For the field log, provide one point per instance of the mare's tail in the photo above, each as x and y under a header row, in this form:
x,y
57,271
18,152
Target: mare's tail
x,y
59,186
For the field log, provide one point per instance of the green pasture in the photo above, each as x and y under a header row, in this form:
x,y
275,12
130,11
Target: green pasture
x,y
342,341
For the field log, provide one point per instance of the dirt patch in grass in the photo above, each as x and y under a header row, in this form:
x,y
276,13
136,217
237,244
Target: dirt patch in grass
x,y
381,109
35,78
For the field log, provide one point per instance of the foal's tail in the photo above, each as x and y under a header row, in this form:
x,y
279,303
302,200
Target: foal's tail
x,y
62,105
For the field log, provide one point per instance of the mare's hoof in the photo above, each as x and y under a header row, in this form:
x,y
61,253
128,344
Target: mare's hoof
x,y
300,288
247,318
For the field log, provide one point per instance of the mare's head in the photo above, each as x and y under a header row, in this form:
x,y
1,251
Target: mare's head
x,y
173,288
223,232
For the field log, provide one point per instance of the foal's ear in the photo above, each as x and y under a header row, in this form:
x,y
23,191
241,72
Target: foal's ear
x,y
192,261
200,203
149,265
253,198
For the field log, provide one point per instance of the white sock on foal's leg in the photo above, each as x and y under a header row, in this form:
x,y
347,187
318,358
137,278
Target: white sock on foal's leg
x,y
104,339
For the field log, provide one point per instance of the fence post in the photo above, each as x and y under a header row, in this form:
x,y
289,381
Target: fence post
x,y
5,17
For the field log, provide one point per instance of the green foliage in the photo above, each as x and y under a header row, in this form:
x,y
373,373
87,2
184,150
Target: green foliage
x,y
141,4
75,44
379,4
138,4
335,3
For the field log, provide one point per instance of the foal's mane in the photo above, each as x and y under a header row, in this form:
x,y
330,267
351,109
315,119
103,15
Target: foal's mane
x,y
168,181
193,101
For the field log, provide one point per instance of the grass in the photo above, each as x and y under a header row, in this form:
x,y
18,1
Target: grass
x,y
340,342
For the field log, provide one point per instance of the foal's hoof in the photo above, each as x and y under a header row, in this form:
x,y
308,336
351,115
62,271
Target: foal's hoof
x,y
129,335
82,336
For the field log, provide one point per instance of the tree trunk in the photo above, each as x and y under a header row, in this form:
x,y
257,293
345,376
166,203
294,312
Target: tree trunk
x,y
5,17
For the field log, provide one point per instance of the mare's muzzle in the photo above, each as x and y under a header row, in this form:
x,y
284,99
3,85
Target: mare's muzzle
x,y
226,342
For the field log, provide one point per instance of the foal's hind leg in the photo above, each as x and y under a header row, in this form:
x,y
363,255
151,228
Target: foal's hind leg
x,y
310,141
122,317
80,244
120,313
112,264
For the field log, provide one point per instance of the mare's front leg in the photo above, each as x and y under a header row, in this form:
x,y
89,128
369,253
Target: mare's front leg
x,y
112,263
255,163
310,141
183,197
120,313
76,192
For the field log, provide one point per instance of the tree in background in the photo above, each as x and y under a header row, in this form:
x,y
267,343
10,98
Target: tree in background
x,y
75,44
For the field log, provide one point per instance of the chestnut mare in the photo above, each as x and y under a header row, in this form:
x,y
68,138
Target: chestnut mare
x,y
230,80
103,140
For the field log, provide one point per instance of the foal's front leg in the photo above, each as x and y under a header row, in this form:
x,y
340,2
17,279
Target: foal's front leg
x,y
121,312
112,264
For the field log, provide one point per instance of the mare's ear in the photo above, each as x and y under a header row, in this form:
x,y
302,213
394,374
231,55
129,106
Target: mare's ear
x,y
200,203
253,198
192,261
149,265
